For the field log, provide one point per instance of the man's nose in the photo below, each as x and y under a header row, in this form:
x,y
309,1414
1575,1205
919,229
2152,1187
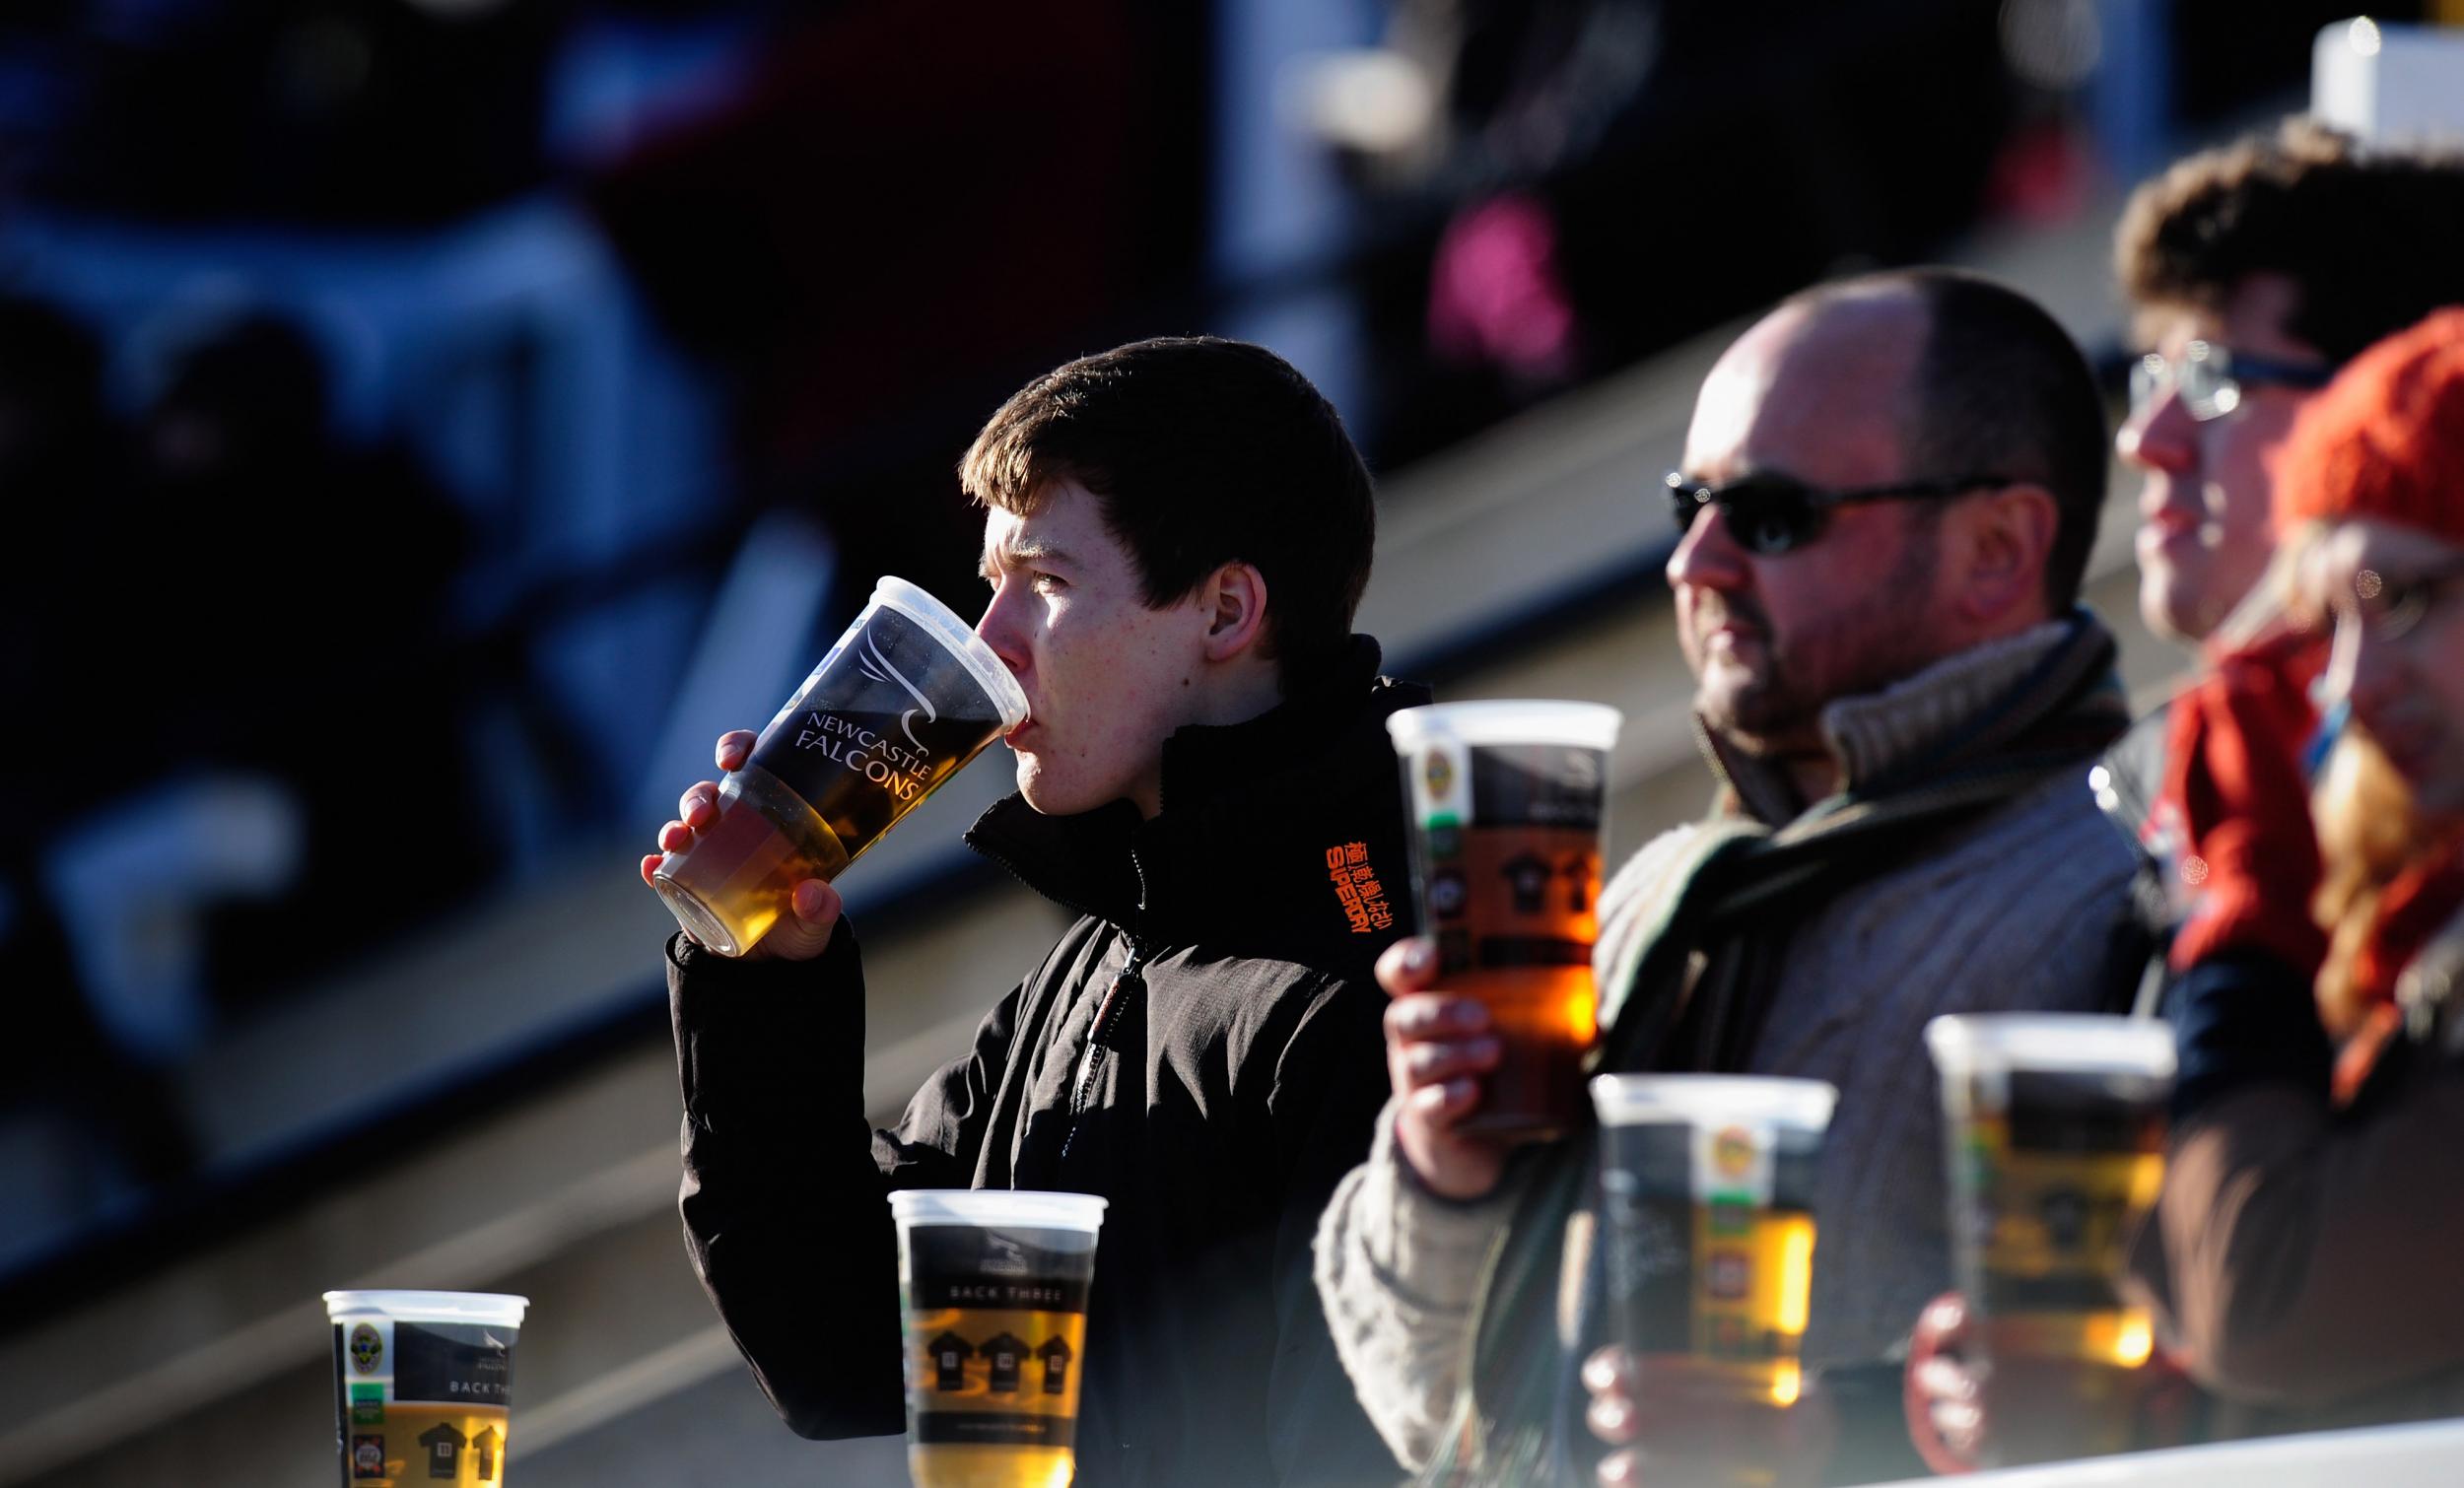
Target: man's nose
x,y
2159,436
998,627
1708,555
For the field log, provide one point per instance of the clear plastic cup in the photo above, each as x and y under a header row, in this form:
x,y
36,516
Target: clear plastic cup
x,y
1508,799
2055,1128
424,1386
906,697
993,1288
1709,1183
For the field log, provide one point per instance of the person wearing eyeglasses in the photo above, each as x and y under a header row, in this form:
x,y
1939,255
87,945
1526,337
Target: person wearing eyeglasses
x,y
1888,492
2253,272
2303,1249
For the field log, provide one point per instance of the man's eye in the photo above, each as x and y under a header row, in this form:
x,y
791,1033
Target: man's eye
x,y
1050,583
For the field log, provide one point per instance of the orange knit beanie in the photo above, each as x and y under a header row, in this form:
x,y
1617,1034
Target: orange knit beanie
x,y
2384,439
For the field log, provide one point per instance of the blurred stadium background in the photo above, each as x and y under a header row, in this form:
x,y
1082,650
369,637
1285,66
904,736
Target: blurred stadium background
x,y
426,424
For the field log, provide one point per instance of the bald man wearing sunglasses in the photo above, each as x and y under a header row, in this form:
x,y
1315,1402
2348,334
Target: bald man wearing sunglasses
x,y
1889,488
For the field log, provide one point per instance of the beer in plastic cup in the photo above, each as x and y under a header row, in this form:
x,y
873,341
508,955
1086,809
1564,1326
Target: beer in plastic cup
x,y
1506,801
993,1287
1708,1182
2055,1125
422,1386
908,695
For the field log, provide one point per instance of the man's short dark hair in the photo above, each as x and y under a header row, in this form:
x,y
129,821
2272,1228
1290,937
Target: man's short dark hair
x,y
1200,451
2000,389
2367,237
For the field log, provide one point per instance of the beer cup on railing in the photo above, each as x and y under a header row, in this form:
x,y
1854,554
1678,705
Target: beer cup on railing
x,y
424,1386
2055,1125
908,695
1708,1184
1506,802
993,1285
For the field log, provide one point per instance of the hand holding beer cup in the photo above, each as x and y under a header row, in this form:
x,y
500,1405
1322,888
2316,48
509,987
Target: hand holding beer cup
x,y
1674,1427
906,697
2054,1125
1437,1049
1959,1421
1506,800
797,937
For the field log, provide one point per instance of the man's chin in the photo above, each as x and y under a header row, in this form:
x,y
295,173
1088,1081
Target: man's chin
x,y
2165,608
1754,727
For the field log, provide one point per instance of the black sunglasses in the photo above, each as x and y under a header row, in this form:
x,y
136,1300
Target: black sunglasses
x,y
1770,514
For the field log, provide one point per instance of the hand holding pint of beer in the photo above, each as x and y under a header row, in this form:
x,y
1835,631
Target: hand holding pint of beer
x,y
2055,1128
904,699
1506,801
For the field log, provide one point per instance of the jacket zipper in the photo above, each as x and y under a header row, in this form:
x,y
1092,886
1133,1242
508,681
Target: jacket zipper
x,y
1107,1018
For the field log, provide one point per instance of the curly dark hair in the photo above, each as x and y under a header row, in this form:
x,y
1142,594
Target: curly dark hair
x,y
2368,236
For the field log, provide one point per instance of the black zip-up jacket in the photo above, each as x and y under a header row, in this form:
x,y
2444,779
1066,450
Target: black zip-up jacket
x,y
1222,977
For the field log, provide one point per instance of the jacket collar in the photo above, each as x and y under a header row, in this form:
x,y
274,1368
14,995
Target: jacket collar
x,y
1235,798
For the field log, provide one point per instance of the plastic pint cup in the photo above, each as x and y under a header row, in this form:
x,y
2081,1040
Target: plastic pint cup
x,y
422,1386
1506,801
1709,1186
993,1287
2055,1126
908,695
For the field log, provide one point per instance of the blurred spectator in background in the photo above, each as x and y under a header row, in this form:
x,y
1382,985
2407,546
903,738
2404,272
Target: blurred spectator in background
x,y
55,453
245,629
57,612
2304,1244
1533,169
903,213
316,577
342,112
2253,271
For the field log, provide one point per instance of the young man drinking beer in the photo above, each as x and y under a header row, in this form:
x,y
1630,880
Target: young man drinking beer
x,y
1176,535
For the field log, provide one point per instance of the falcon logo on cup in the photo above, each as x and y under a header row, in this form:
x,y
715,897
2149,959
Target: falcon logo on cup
x,y
1439,771
368,1348
879,668
1733,1152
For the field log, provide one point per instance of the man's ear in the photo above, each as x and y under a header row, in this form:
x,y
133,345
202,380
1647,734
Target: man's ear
x,y
1235,598
2001,541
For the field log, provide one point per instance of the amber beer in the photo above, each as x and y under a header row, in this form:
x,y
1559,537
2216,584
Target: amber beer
x,y
1506,801
993,1288
423,1386
908,695
2055,1125
1708,1187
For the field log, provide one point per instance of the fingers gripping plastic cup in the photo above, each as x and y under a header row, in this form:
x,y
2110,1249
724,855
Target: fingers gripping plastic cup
x,y
993,1287
424,1386
1709,1186
904,699
2055,1128
1507,800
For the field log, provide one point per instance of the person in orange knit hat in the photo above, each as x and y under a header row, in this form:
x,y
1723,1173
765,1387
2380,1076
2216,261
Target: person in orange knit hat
x,y
2303,1248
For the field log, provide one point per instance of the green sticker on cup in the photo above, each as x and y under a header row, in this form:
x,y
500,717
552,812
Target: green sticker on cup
x,y
368,1405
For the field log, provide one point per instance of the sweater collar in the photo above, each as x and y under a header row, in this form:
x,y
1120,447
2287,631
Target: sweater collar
x,y
1969,700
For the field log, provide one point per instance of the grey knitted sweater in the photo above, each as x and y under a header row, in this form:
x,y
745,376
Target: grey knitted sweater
x,y
2020,909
